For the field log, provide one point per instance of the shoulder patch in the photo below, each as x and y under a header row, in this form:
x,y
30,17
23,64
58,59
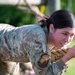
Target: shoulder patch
x,y
43,60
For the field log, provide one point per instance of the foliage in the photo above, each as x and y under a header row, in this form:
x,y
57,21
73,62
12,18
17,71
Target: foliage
x,y
14,16
65,4
73,6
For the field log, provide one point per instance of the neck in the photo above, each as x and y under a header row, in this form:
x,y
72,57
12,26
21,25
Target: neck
x,y
49,41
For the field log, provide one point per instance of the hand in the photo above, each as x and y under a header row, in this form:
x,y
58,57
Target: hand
x,y
70,54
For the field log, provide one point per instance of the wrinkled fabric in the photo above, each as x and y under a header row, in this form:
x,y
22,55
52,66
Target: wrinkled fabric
x,y
27,43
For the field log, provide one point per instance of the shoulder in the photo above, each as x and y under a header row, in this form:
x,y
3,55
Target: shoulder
x,y
32,29
38,31
34,32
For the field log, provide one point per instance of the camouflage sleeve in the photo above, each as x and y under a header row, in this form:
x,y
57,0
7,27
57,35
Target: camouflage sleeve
x,y
11,45
39,57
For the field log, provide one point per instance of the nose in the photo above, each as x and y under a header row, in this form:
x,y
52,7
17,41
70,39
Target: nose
x,y
68,39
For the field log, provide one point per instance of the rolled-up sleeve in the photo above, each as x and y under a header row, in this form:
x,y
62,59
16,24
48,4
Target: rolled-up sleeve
x,y
42,64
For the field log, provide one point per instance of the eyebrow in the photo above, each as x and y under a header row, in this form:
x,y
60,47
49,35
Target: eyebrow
x,y
67,32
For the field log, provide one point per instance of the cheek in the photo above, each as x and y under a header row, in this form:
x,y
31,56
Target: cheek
x,y
56,40
58,37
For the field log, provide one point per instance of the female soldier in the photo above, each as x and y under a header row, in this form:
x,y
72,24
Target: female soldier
x,y
34,42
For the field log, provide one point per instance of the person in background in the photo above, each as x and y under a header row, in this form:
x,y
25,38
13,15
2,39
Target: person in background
x,y
33,43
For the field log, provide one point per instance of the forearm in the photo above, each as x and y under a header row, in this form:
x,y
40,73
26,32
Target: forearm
x,y
69,55
66,58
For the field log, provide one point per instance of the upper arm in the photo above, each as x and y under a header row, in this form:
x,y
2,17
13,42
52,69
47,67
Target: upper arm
x,y
38,54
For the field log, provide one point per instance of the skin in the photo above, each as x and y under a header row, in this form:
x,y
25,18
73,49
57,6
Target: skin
x,y
61,38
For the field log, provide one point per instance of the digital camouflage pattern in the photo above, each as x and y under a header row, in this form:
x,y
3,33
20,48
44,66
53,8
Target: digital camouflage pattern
x,y
28,43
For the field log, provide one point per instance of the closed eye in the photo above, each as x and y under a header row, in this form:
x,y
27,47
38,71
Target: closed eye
x,y
65,34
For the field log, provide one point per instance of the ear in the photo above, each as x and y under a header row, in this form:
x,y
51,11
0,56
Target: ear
x,y
51,28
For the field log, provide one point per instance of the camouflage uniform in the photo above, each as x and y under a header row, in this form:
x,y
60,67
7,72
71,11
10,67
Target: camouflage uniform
x,y
28,43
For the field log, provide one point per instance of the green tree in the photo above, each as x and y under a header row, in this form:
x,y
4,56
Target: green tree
x,y
14,16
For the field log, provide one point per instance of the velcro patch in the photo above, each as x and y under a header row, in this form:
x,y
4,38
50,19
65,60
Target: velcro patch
x,y
43,60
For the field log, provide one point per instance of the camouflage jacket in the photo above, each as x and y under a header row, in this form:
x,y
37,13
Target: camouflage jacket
x,y
28,43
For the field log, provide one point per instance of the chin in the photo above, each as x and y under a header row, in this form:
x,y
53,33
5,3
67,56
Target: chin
x,y
59,47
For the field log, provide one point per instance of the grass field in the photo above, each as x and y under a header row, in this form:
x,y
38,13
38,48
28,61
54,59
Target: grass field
x,y
71,64
71,69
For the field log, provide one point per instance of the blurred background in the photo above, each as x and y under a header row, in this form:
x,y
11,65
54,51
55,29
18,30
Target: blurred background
x,y
23,12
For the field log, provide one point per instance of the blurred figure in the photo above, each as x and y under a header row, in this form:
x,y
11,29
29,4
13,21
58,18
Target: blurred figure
x,y
26,69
